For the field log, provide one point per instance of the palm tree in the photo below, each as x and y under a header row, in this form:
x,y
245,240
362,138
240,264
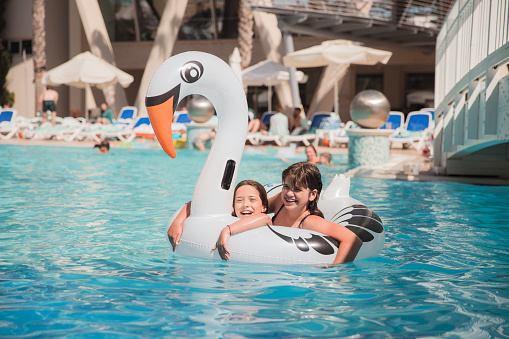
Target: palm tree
x,y
39,46
245,33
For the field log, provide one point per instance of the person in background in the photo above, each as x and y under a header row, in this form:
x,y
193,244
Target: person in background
x,y
312,155
296,122
49,101
200,139
104,146
326,158
105,118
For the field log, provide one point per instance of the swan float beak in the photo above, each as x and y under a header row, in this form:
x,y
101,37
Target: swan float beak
x,y
160,110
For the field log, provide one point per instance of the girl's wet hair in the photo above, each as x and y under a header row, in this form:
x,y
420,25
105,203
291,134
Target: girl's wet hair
x,y
261,191
306,175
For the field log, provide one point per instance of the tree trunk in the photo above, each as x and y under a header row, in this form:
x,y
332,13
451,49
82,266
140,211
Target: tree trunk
x,y
39,47
245,33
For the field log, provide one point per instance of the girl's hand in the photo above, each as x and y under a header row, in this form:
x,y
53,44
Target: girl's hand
x,y
174,233
177,226
221,244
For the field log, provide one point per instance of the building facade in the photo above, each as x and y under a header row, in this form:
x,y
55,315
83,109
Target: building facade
x,y
138,35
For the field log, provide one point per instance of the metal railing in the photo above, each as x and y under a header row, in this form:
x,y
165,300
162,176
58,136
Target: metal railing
x,y
471,80
428,14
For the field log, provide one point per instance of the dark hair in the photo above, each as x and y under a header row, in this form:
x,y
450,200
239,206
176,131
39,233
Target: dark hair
x,y
327,156
306,175
314,149
104,143
261,190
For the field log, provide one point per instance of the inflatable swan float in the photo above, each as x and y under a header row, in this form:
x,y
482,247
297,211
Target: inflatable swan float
x,y
201,73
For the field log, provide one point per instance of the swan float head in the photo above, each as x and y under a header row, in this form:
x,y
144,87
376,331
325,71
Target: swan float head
x,y
201,73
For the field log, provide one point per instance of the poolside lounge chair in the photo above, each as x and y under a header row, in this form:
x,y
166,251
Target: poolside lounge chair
x,y
126,119
336,135
265,120
278,130
395,121
182,117
67,129
416,131
143,128
8,126
310,135
431,110
126,116
127,134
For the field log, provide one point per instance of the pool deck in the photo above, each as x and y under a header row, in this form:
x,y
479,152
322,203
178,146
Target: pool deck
x,y
404,164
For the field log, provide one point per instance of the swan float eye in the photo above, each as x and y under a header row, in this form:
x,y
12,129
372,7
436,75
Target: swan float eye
x,y
191,71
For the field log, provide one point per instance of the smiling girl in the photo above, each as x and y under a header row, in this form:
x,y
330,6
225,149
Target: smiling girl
x,y
249,201
296,206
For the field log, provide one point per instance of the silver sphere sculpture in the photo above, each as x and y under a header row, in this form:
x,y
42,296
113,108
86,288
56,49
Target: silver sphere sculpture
x,y
370,109
200,109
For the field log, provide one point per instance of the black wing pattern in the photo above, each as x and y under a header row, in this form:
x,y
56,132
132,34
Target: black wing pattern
x,y
357,218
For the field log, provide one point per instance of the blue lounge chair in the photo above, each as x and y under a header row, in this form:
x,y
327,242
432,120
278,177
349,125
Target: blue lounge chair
x,y
8,127
417,130
395,121
126,116
183,118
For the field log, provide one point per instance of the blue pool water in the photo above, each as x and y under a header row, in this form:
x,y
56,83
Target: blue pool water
x,y
83,254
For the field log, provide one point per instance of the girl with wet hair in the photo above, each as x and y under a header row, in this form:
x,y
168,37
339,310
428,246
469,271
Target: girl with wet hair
x,y
296,206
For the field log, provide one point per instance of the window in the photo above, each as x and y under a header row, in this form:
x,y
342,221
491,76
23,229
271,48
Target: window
x,y
419,81
15,47
369,81
210,20
130,20
26,45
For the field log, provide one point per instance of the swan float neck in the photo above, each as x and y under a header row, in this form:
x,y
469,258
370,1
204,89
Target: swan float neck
x,y
201,73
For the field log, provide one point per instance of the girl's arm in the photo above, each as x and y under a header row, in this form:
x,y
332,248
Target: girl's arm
x,y
176,227
349,242
242,225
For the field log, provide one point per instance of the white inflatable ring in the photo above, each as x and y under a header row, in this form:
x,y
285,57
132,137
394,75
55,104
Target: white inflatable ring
x,y
201,73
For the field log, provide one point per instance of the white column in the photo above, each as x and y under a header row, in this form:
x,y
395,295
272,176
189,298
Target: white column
x,y
294,86
100,45
271,39
165,39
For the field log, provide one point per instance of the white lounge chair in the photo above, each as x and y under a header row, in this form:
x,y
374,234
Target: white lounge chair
x,y
278,130
67,129
143,128
264,120
127,133
8,126
310,135
416,131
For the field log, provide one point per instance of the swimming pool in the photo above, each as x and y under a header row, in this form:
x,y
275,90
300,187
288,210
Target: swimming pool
x,y
83,254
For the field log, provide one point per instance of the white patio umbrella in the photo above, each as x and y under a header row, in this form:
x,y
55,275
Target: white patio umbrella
x,y
334,52
269,73
85,70
234,62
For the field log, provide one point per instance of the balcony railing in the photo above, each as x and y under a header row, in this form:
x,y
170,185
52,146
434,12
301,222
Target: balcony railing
x,y
428,14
